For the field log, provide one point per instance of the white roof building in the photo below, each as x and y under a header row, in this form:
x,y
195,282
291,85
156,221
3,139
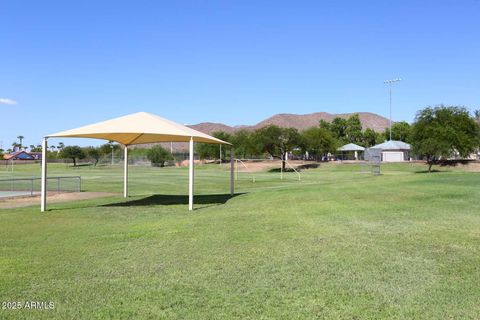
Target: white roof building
x,y
392,145
394,151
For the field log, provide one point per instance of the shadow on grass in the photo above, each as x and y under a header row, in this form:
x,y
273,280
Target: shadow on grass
x,y
166,199
433,171
275,170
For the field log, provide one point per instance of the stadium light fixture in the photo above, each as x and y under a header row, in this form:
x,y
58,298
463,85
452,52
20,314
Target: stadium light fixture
x,y
390,83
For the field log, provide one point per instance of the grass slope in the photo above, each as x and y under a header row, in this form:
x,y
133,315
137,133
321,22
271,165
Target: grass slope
x,y
336,245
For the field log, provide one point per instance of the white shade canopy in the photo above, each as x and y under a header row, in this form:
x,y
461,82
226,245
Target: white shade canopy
x,y
351,147
138,128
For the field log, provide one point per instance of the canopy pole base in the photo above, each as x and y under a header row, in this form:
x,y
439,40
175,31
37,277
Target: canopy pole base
x,y
190,177
232,171
43,194
125,172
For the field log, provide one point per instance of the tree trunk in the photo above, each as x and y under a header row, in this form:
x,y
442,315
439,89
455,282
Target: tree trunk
x,y
430,163
74,162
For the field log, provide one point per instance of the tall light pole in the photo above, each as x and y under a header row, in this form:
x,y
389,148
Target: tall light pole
x,y
390,83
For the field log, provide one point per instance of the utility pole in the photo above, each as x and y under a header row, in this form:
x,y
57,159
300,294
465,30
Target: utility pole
x,y
390,83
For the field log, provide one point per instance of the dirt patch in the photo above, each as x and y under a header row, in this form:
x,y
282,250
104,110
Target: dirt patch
x,y
11,203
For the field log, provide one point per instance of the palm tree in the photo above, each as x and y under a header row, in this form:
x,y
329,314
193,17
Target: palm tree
x,y
60,146
20,138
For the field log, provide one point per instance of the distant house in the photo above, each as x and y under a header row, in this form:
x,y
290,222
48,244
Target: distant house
x,y
394,151
36,155
18,155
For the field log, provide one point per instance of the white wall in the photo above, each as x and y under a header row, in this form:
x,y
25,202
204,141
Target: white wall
x,y
392,156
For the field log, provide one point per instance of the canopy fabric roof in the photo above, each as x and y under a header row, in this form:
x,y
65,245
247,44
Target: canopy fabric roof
x,y
393,145
351,147
138,128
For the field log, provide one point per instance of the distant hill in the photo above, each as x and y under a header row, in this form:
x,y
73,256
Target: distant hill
x,y
298,121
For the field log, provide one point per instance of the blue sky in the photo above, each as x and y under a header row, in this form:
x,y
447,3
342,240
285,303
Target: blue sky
x,y
70,63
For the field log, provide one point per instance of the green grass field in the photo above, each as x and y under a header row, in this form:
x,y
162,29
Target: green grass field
x,y
336,245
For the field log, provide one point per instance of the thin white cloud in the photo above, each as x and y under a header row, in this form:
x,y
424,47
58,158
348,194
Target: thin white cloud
x,y
7,101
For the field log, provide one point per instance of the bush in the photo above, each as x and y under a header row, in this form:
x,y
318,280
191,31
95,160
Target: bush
x,y
158,156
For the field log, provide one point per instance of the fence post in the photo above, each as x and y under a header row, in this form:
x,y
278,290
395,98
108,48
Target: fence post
x,y
31,188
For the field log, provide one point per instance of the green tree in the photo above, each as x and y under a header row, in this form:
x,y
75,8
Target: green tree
x,y
477,116
353,130
244,144
401,131
443,131
108,148
318,142
37,148
370,137
212,151
158,156
94,154
325,125
277,141
72,152
339,128
16,145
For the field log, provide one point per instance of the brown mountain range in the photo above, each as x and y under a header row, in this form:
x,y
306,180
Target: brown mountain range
x,y
298,121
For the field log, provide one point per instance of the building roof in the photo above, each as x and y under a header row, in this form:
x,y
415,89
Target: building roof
x,y
22,154
138,128
351,147
393,145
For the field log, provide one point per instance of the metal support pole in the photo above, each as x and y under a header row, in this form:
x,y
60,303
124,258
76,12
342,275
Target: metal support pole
x,y
390,111
220,154
190,177
125,172
232,180
43,196
390,83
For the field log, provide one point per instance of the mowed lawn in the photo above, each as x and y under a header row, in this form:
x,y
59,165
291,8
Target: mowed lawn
x,y
337,245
